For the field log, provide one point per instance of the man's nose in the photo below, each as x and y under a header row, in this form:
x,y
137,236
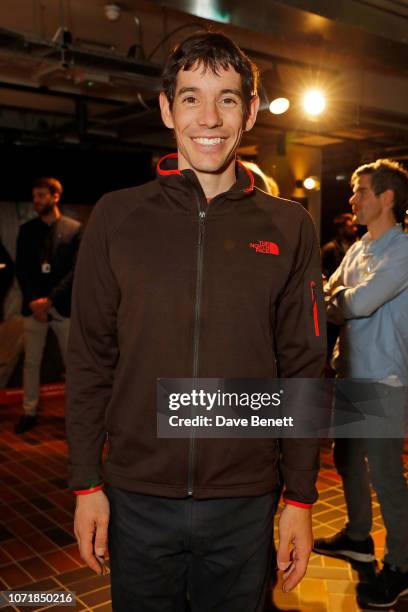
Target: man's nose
x,y
352,199
210,115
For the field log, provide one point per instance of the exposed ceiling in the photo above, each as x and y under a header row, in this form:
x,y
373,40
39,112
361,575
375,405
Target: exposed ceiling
x,y
68,75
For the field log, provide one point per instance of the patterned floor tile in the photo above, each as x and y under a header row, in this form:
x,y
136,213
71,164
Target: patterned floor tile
x,y
38,549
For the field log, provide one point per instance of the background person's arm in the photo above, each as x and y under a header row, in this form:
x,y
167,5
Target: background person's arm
x,y
61,292
379,286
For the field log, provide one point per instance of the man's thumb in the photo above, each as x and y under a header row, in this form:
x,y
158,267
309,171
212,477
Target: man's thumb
x,y
101,543
283,556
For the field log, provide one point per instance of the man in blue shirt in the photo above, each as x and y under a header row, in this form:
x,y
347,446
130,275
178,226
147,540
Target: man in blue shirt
x,y
368,296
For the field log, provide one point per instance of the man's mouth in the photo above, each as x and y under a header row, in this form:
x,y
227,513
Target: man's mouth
x,y
209,142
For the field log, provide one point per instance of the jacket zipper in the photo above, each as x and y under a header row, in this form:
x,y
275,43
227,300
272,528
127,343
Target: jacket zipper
x,y
314,307
196,340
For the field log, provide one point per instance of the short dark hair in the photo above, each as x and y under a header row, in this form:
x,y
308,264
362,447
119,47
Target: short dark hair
x,y
387,174
52,184
212,50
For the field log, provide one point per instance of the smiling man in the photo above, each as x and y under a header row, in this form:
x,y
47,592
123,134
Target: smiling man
x,y
196,274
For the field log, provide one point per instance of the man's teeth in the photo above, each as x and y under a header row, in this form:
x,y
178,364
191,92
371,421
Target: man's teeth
x,y
208,141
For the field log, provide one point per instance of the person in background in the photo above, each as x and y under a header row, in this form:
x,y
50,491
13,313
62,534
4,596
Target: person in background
x,y
46,252
6,276
368,296
332,252
195,274
10,328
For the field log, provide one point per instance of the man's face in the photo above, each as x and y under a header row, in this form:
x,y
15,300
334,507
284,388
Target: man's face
x,y
43,200
366,206
208,118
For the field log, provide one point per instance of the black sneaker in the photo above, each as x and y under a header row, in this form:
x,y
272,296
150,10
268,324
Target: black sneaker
x,y
26,422
385,590
343,547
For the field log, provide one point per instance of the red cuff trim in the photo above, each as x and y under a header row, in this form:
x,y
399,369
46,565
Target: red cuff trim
x,y
290,502
87,491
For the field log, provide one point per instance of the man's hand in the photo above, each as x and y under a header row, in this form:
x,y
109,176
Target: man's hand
x,y
40,308
295,544
91,528
40,305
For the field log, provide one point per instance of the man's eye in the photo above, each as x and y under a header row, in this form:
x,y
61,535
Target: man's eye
x,y
229,101
190,100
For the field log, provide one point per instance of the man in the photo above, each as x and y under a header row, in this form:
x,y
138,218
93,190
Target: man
x,y
46,252
11,329
334,251
369,294
169,284
6,276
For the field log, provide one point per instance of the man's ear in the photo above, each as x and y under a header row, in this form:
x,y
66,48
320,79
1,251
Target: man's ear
x,y
165,110
253,111
387,197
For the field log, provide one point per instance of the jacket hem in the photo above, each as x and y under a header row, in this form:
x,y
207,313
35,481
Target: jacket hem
x,y
181,491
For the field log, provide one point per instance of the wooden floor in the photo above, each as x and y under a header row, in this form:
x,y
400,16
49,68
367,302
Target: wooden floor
x,y
38,549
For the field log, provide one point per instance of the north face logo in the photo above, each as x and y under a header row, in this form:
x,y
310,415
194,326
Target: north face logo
x,y
263,246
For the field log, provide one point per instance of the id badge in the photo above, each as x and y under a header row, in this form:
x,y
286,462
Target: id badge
x,y
45,268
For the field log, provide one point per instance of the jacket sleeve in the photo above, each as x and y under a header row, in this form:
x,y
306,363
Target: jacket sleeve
x,y
61,292
384,283
92,353
300,338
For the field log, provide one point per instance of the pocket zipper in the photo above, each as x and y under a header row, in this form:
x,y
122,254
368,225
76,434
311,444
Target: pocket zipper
x,y
314,307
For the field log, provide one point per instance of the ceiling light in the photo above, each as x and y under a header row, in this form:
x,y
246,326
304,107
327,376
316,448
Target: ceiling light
x,y
314,102
272,93
311,183
278,106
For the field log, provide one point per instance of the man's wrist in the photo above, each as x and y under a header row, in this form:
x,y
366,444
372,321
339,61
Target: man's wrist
x,y
297,504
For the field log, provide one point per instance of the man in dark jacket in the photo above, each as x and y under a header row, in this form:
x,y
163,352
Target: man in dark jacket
x,y
196,274
46,251
6,276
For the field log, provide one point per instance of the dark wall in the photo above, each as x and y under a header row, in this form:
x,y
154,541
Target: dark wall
x,y
85,174
335,197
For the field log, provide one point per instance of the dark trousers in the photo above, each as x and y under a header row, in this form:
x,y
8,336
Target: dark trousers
x,y
385,468
214,553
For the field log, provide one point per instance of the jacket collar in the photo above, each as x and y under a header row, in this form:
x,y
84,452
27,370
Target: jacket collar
x,y
170,176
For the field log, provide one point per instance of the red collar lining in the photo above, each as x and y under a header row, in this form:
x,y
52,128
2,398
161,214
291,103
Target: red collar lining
x,y
250,176
167,172
163,172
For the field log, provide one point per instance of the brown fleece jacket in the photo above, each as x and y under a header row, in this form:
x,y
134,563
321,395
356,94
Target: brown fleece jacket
x,y
169,286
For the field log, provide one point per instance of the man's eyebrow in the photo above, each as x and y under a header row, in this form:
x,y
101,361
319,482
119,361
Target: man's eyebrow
x,y
236,92
183,90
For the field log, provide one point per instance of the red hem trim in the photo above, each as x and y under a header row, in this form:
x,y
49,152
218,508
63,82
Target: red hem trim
x,y
87,491
167,172
250,176
290,502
